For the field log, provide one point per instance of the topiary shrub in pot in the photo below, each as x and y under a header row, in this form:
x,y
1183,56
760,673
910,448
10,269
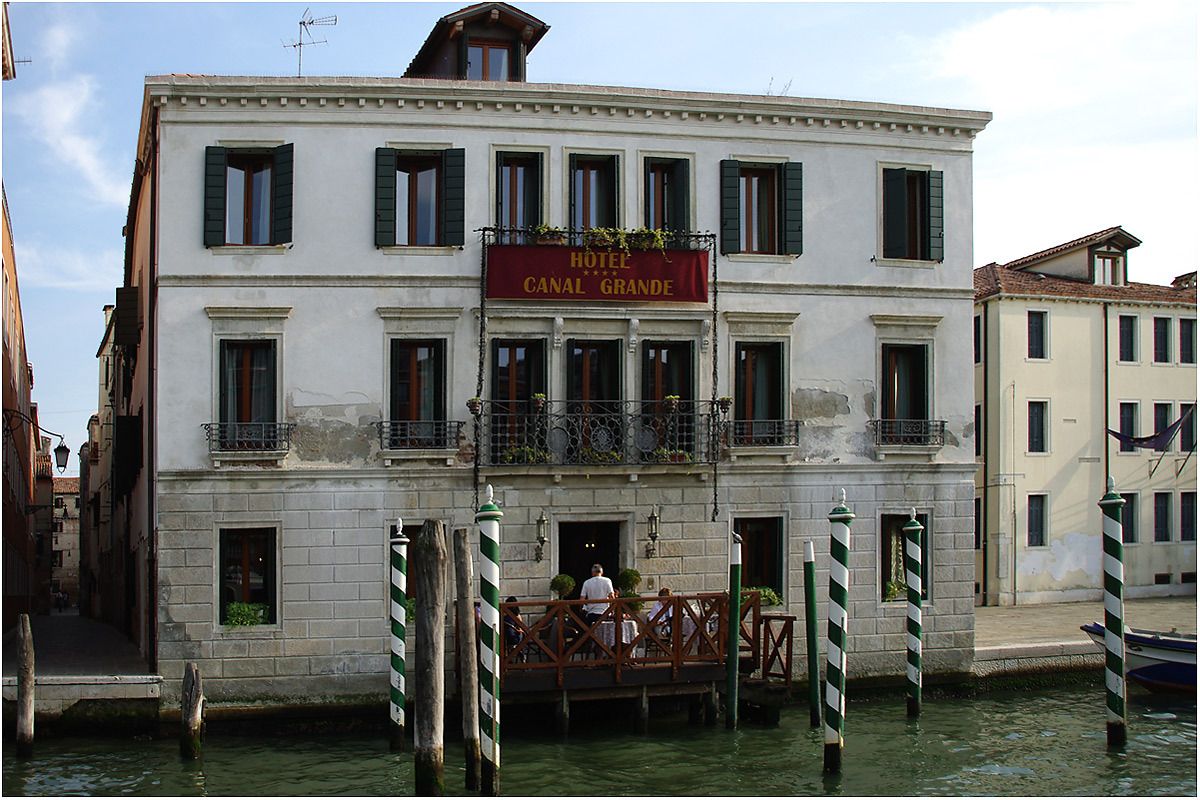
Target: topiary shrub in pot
x,y
562,585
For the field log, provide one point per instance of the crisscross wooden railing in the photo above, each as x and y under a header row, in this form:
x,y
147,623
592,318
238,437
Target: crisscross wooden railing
x,y
777,647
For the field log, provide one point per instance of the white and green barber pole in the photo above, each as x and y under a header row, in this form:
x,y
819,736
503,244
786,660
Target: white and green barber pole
x,y
915,578
399,588
835,667
1114,614
488,518
734,630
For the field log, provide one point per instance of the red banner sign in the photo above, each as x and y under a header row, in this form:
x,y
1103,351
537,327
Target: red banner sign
x,y
517,272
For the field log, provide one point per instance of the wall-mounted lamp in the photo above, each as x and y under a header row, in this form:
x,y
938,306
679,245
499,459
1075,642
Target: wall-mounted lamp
x,y
61,453
543,527
652,530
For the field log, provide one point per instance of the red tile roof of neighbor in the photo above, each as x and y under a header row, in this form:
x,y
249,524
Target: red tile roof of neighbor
x,y
994,279
66,485
1124,237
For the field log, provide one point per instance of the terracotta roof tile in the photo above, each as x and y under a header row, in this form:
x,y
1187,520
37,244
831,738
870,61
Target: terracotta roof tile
x,y
994,279
66,485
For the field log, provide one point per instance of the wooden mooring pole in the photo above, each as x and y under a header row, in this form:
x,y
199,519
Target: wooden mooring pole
x,y
429,580
1114,614
25,688
810,636
835,667
468,666
191,713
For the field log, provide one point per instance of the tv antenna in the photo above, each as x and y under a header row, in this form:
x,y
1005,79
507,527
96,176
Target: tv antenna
x,y
306,22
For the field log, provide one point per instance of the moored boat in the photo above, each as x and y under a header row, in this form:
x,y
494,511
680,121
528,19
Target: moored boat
x,y
1160,661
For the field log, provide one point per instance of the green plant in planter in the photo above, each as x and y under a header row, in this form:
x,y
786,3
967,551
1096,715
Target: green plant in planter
x,y
634,604
240,615
605,239
590,456
628,580
766,595
894,590
546,234
647,239
525,455
562,585
665,456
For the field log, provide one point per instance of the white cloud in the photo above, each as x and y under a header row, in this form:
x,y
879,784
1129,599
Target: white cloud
x,y
60,114
57,267
58,43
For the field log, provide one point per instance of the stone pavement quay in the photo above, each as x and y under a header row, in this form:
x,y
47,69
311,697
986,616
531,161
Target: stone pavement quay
x,y
68,644
1040,638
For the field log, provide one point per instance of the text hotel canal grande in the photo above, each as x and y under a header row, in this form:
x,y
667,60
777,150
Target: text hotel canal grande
x,y
349,300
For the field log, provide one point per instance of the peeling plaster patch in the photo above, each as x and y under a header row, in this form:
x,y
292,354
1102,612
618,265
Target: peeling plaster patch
x,y
816,442
1072,561
334,434
861,444
302,398
819,404
869,404
951,439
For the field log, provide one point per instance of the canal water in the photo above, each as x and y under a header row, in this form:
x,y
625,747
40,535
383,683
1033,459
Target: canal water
x,y
1048,742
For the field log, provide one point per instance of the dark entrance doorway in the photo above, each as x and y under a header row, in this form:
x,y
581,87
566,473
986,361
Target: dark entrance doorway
x,y
581,544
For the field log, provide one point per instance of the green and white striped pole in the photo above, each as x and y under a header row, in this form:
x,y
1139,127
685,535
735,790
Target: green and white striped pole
x,y
488,518
810,635
735,629
399,583
915,577
835,666
1114,614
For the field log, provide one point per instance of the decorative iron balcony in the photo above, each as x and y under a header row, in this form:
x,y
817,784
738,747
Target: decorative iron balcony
x,y
419,434
763,432
225,437
600,238
598,432
909,432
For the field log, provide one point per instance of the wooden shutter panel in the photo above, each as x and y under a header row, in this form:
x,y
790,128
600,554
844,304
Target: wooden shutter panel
x,y
385,197
730,213
937,240
533,192
680,212
439,389
281,195
614,180
572,165
462,58
454,192
214,196
125,316
895,214
793,208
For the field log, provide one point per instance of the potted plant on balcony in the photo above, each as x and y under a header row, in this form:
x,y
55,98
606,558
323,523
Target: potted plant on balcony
x,y
605,239
238,615
627,582
894,590
538,401
647,239
724,403
525,455
562,585
671,403
767,596
547,235
664,456
475,405
592,456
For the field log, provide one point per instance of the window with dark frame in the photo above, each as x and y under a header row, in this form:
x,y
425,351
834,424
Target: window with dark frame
x,y
762,207
1127,338
418,394
247,564
1035,532
248,198
1129,519
489,61
762,551
757,199
978,342
1036,324
1162,516
912,214
1162,419
978,430
891,557
1162,340
418,200
1037,426
593,192
758,393
420,197
667,372
518,435
1187,429
1187,340
978,523
666,191
905,382
518,192
247,400
1128,414
1187,516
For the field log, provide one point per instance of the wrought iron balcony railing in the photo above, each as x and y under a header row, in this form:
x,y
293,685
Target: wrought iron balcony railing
x,y
599,432
419,434
602,238
910,432
763,432
246,437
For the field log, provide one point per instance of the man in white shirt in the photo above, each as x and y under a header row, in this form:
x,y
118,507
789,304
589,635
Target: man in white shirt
x,y
596,587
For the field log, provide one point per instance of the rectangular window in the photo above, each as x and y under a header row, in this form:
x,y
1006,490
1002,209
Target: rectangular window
x,y
905,382
1109,270
248,573
668,427
518,434
489,61
978,430
1162,516
758,393
762,552
1162,419
893,580
978,344
912,214
1162,340
1037,334
418,394
593,192
418,200
594,402
1129,424
248,198
1187,516
1187,341
518,192
756,197
1035,532
1187,429
978,523
1037,426
1129,519
247,399
667,202
762,207
666,371
58,502
1127,334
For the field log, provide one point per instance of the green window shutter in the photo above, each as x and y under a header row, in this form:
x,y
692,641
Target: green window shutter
x,y
730,213
572,165
281,195
385,197
937,239
439,387
793,208
533,193
614,180
454,192
679,214
462,58
895,214
214,196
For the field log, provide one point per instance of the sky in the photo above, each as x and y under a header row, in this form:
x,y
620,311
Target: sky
x,y
1094,104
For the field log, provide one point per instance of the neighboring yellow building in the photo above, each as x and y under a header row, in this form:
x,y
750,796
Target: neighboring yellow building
x,y
1065,349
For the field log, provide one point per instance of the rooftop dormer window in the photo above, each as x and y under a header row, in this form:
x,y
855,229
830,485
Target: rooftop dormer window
x,y
489,61
1109,269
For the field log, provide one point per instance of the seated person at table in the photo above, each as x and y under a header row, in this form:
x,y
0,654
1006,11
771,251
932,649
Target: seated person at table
x,y
596,587
512,633
662,604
